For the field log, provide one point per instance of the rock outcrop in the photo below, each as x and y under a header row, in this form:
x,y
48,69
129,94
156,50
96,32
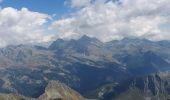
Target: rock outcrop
x,y
59,91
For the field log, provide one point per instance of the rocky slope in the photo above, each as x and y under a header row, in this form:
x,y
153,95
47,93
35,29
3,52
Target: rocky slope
x,y
59,91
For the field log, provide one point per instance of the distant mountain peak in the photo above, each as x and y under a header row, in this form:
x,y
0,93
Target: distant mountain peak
x,y
87,39
59,40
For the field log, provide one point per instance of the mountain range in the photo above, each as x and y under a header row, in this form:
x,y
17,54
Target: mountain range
x,y
107,71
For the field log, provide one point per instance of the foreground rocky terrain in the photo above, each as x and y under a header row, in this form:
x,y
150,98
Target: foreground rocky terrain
x,y
54,91
87,65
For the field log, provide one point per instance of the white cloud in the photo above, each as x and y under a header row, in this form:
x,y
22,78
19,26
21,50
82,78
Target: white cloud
x,y
21,26
110,20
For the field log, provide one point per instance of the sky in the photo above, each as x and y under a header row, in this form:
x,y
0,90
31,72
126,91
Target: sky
x,y
41,21
50,7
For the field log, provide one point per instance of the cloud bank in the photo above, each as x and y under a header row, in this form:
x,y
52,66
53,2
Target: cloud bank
x,y
103,19
108,20
21,26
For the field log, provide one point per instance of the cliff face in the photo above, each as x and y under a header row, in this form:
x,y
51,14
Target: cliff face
x,y
150,87
59,91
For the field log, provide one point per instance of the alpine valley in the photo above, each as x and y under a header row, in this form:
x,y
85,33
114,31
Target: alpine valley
x,y
127,69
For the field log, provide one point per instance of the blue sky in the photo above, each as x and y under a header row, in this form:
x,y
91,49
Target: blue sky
x,y
33,21
50,7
